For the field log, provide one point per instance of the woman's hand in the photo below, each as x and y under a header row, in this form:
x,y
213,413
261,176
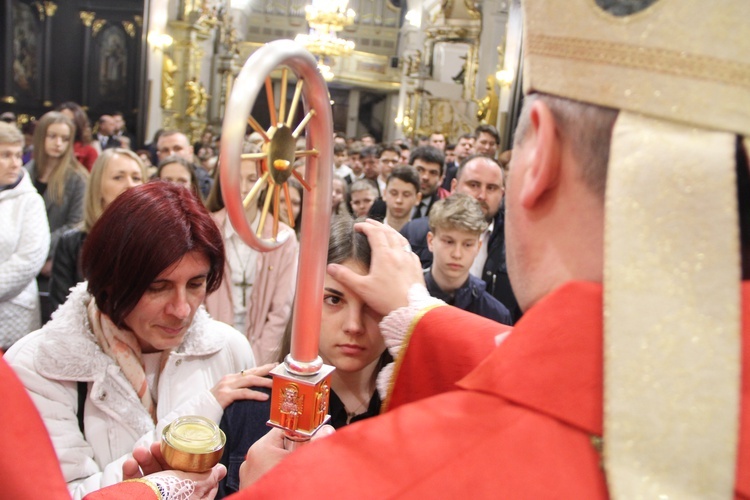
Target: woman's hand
x,y
236,386
144,461
393,270
149,463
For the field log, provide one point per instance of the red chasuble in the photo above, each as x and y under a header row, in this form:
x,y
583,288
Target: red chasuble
x,y
524,423
28,464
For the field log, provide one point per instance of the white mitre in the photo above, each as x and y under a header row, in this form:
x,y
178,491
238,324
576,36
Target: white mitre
x,y
679,71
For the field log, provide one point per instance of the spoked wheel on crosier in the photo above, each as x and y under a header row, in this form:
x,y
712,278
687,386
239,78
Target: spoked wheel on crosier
x,y
279,152
299,400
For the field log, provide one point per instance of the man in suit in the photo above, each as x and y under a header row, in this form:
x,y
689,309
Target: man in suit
x,y
463,149
106,132
488,139
428,162
173,142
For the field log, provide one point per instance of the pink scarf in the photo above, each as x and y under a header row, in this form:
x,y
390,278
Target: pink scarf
x,y
123,347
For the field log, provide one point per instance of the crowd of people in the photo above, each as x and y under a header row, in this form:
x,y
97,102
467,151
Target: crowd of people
x,y
118,347
566,319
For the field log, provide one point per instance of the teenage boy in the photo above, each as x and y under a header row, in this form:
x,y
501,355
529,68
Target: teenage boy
x,y
340,168
401,195
389,155
361,197
355,163
456,225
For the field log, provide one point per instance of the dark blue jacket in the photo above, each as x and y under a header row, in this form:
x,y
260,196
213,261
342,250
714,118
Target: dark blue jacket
x,y
495,271
471,297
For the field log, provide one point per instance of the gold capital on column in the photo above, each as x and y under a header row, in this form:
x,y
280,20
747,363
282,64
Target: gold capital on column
x,y
50,8
98,25
129,28
87,18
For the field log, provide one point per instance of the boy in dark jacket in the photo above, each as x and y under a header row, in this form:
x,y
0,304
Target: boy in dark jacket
x,y
456,224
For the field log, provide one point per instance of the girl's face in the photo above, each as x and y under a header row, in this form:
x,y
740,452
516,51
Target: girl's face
x,y
176,173
350,339
248,176
337,194
296,202
120,174
57,140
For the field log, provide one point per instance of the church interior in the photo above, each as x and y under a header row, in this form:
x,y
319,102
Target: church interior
x,y
395,69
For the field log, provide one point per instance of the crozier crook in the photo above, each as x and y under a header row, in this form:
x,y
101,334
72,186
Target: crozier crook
x,y
299,400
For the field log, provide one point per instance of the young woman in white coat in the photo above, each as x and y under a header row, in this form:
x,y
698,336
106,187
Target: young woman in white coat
x,y
133,343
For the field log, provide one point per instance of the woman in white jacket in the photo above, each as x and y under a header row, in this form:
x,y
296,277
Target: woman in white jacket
x,y
24,241
133,342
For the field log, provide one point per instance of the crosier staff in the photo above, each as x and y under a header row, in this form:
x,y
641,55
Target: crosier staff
x,y
301,385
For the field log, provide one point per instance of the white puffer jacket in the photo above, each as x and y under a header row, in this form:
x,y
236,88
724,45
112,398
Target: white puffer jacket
x,y
50,361
24,243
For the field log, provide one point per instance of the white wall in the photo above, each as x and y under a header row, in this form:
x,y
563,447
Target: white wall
x,y
158,15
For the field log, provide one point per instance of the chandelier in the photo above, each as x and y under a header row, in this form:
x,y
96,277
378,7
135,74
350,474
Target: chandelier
x,y
329,15
325,19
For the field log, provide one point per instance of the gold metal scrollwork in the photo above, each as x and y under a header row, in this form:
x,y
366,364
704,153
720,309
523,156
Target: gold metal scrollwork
x,y
8,99
138,20
87,18
129,28
97,26
473,9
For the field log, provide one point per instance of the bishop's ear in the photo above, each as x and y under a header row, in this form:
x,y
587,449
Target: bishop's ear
x,y
544,155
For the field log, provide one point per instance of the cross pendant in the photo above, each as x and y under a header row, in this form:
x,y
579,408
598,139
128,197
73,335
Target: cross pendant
x,y
245,285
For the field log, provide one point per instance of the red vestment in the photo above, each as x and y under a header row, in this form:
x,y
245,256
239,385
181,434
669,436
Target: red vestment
x,y
520,425
28,464
29,468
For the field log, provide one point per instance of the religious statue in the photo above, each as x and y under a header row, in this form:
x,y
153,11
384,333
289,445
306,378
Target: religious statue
x,y
194,97
461,75
169,68
290,407
487,107
204,97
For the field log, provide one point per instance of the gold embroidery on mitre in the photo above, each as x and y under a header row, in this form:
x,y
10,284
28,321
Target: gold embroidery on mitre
x,y
671,311
679,60
671,62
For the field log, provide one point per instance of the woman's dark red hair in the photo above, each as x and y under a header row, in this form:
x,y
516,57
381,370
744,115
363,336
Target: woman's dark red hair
x,y
143,232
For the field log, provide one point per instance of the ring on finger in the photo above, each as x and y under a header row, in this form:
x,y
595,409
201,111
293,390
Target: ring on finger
x,y
407,248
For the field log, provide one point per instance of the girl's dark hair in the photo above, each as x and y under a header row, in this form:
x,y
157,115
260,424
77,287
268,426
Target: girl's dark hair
x,y
344,243
146,230
80,118
194,187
